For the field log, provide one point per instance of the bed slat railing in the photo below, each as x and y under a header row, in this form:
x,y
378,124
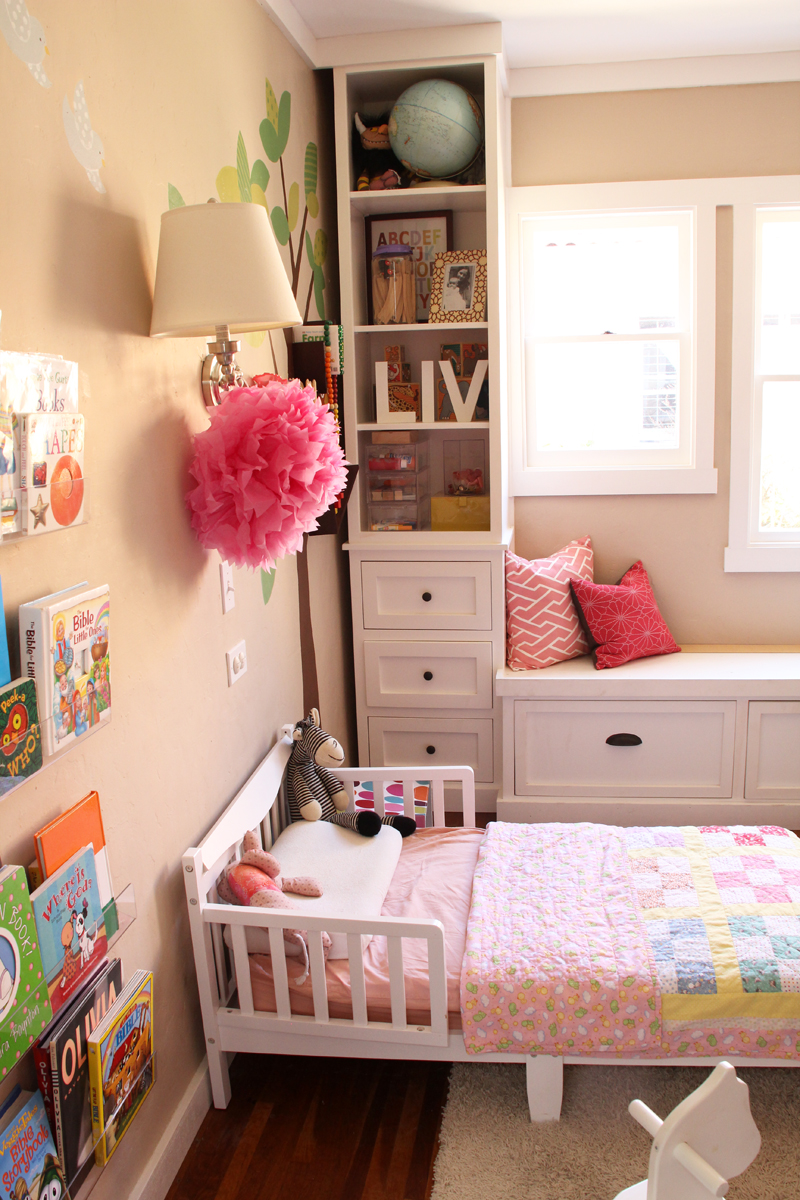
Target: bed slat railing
x,y
319,984
397,982
280,976
436,776
358,986
242,965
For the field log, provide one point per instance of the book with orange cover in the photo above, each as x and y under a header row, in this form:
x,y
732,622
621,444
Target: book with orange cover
x,y
79,826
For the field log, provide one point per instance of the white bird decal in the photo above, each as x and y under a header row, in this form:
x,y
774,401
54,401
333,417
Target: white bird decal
x,y
84,143
25,36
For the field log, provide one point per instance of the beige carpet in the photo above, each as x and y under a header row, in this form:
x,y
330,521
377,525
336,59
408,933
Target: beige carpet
x,y
489,1150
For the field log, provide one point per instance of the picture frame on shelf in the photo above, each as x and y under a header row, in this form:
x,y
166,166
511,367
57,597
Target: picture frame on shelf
x,y
458,287
427,233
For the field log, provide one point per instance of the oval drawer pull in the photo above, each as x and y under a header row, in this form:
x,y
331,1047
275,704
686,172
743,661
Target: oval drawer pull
x,y
428,675
426,596
624,739
430,749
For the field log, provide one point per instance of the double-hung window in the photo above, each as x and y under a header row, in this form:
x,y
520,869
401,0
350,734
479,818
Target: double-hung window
x,y
764,530
611,312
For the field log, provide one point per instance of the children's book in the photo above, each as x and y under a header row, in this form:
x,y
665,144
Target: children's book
x,y
121,1064
24,1002
10,515
20,732
81,825
69,1064
70,926
5,668
64,645
37,383
51,471
29,1166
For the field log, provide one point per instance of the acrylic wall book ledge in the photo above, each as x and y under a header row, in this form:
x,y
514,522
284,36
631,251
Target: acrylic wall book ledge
x,y
93,1178
28,512
9,784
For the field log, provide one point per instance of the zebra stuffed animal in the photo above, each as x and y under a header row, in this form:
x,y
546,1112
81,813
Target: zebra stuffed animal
x,y
313,791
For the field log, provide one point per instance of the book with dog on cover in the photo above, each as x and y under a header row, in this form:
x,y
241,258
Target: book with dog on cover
x,y
70,926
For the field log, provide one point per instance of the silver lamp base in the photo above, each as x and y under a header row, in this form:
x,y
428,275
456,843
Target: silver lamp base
x,y
220,370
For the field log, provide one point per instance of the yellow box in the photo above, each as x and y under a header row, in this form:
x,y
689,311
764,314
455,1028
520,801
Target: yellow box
x,y
466,513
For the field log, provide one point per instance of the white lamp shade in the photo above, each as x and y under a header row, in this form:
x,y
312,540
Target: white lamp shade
x,y
219,264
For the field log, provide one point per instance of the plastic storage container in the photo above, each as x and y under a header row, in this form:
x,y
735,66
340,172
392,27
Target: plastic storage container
x,y
399,518
409,456
389,487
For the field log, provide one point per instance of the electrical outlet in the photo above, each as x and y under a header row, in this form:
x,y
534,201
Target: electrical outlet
x,y
226,587
236,660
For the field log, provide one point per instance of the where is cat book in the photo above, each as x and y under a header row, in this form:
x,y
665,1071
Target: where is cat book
x,y
121,1064
64,645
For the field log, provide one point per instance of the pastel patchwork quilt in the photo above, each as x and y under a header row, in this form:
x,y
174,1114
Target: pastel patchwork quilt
x,y
644,942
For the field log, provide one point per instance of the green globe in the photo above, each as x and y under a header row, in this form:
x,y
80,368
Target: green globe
x,y
436,128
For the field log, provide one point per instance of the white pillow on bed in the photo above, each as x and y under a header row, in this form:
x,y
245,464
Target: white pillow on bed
x,y
353,871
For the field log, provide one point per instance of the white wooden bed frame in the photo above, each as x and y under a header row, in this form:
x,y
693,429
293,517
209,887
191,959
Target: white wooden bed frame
x,y
229,1029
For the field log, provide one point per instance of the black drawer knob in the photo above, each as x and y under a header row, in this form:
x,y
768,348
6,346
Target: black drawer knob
x,y
431,749
624,739
428,675
426,596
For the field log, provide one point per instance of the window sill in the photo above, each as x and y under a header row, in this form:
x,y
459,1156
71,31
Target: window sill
x,y
773,558
644,481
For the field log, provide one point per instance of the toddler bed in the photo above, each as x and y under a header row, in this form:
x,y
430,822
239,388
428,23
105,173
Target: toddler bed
x,y
663,945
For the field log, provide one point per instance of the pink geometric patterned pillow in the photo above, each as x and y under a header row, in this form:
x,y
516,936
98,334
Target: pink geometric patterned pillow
x,y
542,623
623,619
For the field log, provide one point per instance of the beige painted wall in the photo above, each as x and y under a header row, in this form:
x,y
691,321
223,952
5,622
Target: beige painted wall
x,y
670,134
168,87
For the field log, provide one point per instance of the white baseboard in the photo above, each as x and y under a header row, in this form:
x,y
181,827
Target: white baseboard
x,y
162,1166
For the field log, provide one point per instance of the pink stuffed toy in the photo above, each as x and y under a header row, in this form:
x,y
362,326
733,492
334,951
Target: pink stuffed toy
x,y
255,881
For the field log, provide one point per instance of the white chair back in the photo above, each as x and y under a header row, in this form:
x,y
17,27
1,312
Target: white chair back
x,y
709,1138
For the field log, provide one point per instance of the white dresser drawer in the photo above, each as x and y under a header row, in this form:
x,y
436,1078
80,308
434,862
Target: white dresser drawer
x,y
685,748
404,742
427,595
773,750
428,674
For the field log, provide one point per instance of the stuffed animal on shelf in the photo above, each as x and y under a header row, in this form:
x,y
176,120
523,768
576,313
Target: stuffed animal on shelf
x,y
255,881
313,791
378,167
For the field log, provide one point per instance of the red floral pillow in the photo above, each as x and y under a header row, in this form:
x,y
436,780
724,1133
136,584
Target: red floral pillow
x,y
623,618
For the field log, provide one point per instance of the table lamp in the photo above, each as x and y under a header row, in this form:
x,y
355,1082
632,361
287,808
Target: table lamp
x,y
219,272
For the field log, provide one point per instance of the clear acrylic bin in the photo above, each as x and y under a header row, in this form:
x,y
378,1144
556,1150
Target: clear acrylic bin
x,y
408,456
399,518
390,487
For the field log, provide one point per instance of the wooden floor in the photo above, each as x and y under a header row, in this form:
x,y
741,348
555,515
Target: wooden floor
x,y
319,1129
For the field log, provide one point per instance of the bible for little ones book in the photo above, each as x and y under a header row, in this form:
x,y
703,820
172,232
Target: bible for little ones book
x,y
64,645
24,1001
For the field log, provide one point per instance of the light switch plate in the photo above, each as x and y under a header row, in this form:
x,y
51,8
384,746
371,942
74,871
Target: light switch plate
x,y
226,587
236,660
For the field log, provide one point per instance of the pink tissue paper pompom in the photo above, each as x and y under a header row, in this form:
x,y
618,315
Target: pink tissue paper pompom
x,y
268,465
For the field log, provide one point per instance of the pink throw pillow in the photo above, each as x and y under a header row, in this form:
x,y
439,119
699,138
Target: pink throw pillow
x,y
542,623
623,619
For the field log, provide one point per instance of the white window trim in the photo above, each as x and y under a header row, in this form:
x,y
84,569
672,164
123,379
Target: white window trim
x,y
747,550
700,475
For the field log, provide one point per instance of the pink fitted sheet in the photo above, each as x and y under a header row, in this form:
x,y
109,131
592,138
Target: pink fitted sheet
x,y
432,879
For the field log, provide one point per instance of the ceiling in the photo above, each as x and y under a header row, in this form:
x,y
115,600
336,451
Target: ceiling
x,y
539,33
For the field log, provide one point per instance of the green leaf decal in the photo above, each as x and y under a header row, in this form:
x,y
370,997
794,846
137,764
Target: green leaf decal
x,y
176,200
320,247
312,204
293,207
260,174
243,170
267,583
280,224
310,170
269,140
272,106
284,120
228,185
310,251
319,298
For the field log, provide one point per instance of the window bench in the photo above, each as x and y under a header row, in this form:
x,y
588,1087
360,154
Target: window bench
x,y
690,738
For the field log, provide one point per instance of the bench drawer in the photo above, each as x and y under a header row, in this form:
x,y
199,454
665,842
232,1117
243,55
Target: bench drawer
x,y
619,748
427,595
404,742
773,750
428,674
